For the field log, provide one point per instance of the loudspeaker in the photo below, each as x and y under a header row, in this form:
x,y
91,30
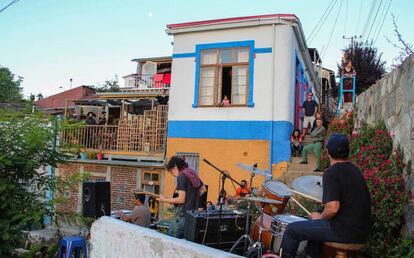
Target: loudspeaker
x,y
200,223
96,199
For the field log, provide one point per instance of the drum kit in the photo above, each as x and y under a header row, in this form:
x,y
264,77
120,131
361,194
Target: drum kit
x,y
271,199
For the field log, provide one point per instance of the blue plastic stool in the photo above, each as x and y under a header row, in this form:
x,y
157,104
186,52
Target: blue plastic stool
x,y
73,243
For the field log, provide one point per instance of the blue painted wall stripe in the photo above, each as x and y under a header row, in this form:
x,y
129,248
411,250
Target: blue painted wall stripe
x,y
183,55
238,130
263,50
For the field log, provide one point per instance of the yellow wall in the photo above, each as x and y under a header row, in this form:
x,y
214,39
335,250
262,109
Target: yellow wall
x,y
224,154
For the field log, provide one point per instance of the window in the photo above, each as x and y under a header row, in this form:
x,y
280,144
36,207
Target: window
x,y
192,160
224,73
151,181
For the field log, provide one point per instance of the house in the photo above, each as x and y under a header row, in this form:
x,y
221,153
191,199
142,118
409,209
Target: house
x,y
263,67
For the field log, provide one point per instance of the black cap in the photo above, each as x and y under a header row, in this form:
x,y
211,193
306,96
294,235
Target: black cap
x,y
338,144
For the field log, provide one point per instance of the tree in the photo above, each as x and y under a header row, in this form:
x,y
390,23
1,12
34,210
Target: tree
x,y
26,144
367,64
39,96
10,90
110,85
406,49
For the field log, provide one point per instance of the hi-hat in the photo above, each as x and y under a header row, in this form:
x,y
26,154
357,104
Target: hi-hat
x,y
260,199
254,169
309,185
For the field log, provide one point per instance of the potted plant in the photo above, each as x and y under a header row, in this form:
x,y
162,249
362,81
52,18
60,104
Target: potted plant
x,y
99,155
91,154
83,153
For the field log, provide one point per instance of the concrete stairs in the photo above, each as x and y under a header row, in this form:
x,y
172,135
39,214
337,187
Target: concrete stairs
x,y
295,169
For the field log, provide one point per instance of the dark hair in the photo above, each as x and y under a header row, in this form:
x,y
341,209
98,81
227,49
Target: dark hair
x,y
296,130
152,205
176,161
140,197
338,146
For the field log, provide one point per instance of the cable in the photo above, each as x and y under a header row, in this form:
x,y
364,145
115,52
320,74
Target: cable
x,y
7,6
382,23
320,19
346,16
359,17
333,28
367,22
375,18
205,230
326,17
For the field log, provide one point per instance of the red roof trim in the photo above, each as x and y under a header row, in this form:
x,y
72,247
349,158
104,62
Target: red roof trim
x,y
195,23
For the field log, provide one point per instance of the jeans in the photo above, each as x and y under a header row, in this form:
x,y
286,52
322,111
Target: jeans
x,y
315,231
316,147
177,227
297,149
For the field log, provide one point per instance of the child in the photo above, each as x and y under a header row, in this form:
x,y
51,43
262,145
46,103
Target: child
x,y
225,102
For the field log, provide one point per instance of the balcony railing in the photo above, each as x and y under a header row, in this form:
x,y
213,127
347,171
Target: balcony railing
x,y
151,81
140,135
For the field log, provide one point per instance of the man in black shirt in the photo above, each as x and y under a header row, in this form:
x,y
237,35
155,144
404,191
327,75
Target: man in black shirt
x,y
188,194
346,217
310,107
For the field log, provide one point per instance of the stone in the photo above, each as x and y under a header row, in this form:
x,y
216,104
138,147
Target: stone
x,y
43,236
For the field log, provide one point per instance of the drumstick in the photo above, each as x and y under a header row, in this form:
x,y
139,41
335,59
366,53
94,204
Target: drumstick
x,y
305,195
300,205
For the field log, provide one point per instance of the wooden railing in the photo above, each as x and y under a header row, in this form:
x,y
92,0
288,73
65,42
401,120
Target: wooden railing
x,y
141,133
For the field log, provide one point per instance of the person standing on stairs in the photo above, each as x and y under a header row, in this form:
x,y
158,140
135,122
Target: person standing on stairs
x,y
310,107
318,136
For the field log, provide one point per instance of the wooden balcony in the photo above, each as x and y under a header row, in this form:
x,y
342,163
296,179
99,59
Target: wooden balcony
x,y
139,135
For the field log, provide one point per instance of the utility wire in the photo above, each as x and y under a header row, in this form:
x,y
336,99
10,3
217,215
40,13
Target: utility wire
x,y
333,28
380,18
359,17
346,16
320,19
324,20
382,23
375,18
7,6
367,22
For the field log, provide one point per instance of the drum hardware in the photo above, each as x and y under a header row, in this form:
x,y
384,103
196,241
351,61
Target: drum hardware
x,y
260,199
255,170
224,176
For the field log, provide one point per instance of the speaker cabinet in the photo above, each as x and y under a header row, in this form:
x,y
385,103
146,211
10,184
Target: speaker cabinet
x,y
96,199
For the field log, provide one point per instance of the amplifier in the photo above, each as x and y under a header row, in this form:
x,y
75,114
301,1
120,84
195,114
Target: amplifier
x,y
200,223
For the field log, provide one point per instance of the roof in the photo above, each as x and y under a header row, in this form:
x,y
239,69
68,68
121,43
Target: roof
x,y
153,59
231,20
59,100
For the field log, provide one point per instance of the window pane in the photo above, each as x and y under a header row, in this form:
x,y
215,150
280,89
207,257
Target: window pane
x,y
219,86
241,55
207,76
154,177
209,57
226,56
239,85
147,176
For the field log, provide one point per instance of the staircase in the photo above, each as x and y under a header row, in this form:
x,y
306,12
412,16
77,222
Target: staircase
x,y
297,170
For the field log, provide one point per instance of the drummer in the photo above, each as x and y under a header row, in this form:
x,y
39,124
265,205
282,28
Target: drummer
x,y
242,190
346,217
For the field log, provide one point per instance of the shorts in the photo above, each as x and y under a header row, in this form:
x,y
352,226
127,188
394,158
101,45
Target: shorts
x,y
307,120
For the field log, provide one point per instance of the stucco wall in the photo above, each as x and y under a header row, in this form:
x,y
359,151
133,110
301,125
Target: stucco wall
x,y
392,99
112,238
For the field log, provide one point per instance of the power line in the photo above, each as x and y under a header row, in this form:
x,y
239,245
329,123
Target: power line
x,y
367,22
7,6
324,20
359,17
382,23
333,28
375,18
346,16
320,19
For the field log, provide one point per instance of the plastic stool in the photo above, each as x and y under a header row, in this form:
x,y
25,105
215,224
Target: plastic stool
x,y
73,243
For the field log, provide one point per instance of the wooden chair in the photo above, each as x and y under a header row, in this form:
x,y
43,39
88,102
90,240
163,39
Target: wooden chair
x,y
340,250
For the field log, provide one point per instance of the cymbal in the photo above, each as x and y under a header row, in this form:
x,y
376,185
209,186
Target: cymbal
x,y
255,170
309,185
260,199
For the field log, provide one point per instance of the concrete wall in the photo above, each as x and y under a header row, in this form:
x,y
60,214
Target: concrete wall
x,y
392,99
111,238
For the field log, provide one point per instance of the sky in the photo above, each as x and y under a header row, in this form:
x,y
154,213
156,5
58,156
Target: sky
x,y
48,42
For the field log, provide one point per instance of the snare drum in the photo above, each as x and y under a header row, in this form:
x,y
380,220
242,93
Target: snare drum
x,y
277,191
278,227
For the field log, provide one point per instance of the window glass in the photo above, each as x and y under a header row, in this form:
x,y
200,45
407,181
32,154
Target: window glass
x,y
209,57
226,56
239,85
207,76
241,55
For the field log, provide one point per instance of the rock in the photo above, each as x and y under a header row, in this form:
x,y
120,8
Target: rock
x,y
43,236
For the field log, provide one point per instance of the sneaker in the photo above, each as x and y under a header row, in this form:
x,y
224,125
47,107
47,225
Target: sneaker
x,y
303,162
317,170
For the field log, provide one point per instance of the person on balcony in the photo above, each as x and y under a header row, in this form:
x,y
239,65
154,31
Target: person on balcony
x,y
163,98
102,118
225,102
90,120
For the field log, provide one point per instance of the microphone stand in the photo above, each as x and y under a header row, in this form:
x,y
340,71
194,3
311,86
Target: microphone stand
x,y
224,176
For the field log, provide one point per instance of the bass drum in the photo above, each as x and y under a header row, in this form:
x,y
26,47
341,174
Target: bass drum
x,y
266,232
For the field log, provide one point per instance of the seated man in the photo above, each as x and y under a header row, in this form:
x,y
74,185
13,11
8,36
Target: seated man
x,y
318,135
242,190
346,217
141,215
